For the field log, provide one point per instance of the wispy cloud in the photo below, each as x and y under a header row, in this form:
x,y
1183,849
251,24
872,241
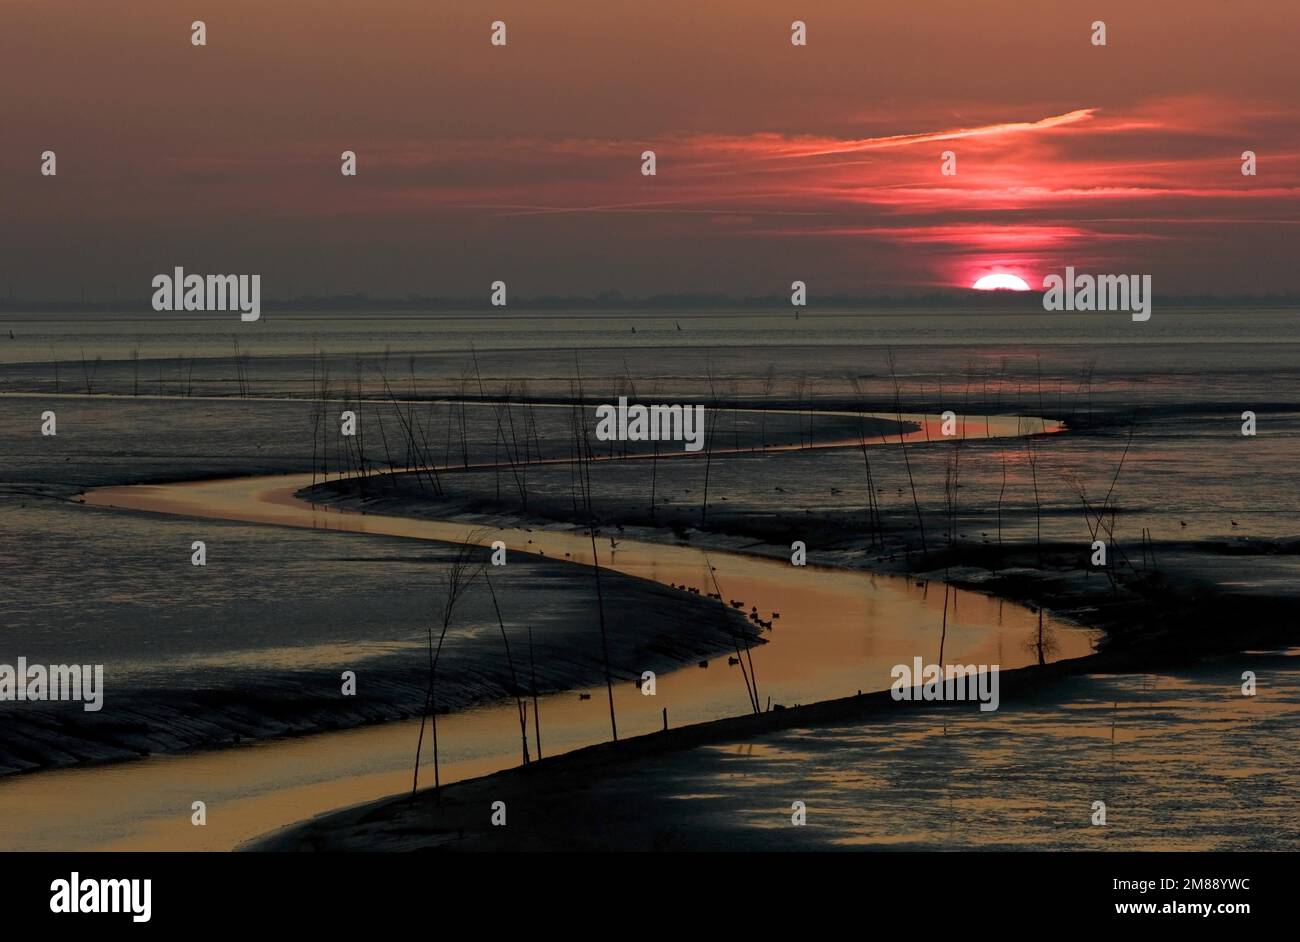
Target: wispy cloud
x,y
1067,187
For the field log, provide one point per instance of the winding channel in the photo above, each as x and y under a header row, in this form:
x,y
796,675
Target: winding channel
x,y
838,631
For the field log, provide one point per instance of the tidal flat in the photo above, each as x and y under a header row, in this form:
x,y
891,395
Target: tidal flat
x,y
324,554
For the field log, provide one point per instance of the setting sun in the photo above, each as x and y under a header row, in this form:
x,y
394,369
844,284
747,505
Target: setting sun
x,y
1001,280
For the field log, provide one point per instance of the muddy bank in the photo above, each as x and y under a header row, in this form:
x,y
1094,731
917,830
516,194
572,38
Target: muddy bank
x,y
122,439
879,775
453,819
1157,597
254,644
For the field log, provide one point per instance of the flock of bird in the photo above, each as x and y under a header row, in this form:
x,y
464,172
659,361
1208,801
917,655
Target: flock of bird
x,y
734,603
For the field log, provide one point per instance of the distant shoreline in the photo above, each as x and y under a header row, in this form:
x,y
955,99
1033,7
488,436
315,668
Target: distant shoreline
x,y
1005,302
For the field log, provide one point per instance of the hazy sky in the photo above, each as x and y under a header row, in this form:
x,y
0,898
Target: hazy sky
x,y
522,163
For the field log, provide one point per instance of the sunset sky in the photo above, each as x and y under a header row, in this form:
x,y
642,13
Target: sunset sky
x,y
522,163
